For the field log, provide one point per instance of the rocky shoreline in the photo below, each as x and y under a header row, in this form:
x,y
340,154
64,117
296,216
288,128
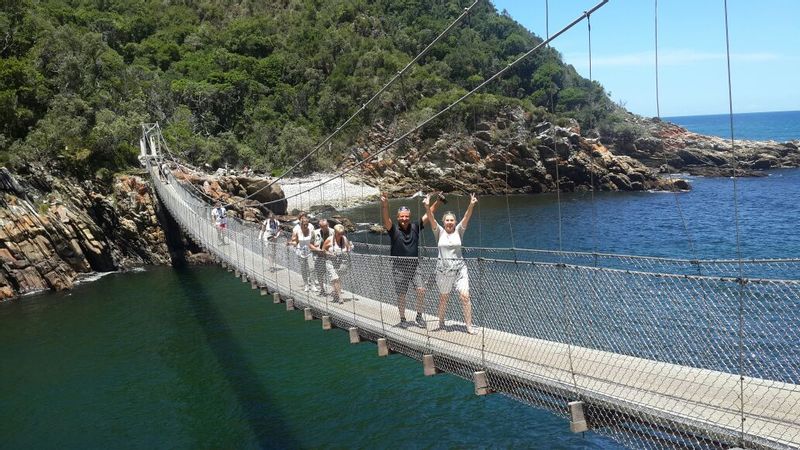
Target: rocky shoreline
x,y
667,147
54,230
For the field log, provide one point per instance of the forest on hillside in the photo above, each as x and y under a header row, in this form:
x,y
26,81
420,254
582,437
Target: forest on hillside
x,y
257,83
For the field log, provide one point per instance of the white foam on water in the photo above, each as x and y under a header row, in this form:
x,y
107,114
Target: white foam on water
x,y
92,276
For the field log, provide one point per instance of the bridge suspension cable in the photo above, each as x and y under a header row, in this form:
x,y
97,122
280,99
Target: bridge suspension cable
x,y
447,108
397,76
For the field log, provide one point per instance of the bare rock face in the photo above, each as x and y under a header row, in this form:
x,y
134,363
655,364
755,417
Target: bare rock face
x,y
246,196
52,230
513,153
671,148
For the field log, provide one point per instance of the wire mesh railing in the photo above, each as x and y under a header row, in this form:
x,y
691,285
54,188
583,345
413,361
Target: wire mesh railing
x,y
663,352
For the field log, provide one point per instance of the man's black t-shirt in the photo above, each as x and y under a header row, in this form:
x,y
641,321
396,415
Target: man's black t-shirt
x,y
405,243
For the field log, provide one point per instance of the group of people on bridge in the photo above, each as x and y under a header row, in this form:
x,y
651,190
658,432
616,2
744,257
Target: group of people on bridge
x,y
323,254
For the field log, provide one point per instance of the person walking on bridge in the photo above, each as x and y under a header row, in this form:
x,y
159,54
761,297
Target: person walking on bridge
x,y
321,235
337,263
404,238
220,216
270,230
302,234
451,270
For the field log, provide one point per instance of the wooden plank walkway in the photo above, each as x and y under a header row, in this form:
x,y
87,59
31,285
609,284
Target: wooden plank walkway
x,y
691,399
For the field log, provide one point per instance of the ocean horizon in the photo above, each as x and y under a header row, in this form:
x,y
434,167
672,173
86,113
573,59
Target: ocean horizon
x,y
758,126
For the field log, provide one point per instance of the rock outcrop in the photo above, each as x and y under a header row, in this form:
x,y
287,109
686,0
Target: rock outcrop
x,y
53,230
514,153
670,148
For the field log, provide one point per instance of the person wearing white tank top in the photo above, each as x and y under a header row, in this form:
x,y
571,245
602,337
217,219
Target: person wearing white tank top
x,y
301,238
451,271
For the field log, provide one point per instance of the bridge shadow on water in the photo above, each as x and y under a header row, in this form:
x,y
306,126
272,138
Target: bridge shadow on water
x,y
263,418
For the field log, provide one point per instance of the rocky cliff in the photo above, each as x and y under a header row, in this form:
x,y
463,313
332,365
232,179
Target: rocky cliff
x,y
670,148
53,230
513,153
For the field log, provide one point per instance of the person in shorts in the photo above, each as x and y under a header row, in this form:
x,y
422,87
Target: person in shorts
x,y
220,216
451,270
321,235
337,249
404,238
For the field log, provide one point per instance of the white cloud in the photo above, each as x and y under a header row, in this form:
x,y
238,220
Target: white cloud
x,y
676,57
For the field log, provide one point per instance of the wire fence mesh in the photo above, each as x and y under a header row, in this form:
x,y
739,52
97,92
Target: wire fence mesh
x,y
663,352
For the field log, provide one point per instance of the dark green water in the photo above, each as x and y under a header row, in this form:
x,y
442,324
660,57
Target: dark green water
x,y
196,359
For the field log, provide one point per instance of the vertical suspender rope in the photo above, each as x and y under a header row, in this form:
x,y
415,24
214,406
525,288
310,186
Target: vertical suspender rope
x,y
508,214
675,194
561,266
591,152
686,232
737,233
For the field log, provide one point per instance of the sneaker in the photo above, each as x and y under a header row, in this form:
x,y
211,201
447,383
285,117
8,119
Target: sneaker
x,y
420,320
472,330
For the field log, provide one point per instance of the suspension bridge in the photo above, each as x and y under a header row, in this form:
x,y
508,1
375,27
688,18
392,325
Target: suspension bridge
x,y
655,352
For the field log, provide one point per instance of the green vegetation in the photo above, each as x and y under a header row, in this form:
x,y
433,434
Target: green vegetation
x,y
256,83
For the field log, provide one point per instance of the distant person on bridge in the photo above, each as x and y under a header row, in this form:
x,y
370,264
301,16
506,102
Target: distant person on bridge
x,y
270,230
321,235
337,248
302,234
451,270
220,216
404,238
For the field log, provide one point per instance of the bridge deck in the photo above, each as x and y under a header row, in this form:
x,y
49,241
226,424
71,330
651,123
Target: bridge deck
x,y
696,399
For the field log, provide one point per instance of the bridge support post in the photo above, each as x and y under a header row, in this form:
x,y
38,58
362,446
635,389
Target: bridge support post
x,y
276,297
307,314
264,291
383,347
577,420
244,278
355,338
428,366
481,383
290,304
253,285
230,269
326,322
236,273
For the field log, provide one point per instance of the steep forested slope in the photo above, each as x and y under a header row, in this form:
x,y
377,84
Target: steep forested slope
x,y
255,82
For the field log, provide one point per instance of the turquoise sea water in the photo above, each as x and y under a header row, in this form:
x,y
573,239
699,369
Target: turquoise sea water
x,y
778,126
195,359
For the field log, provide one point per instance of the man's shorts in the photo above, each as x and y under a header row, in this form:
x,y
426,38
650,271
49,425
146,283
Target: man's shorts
x,y
406,273
448,278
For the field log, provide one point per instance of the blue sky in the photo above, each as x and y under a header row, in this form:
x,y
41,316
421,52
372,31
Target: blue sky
x,y
764,39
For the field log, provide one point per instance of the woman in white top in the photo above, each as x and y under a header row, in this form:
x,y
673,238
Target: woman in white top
x,y
450,267
301,238
337,247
